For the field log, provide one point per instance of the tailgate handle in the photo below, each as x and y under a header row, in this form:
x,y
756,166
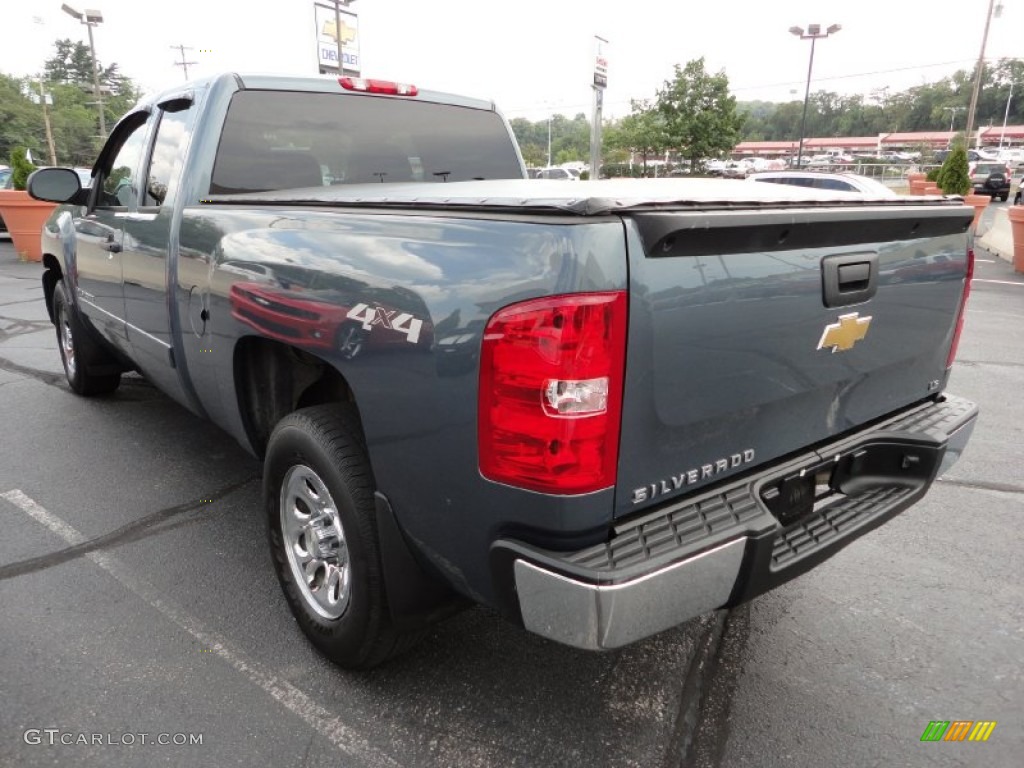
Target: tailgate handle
x,y
849,279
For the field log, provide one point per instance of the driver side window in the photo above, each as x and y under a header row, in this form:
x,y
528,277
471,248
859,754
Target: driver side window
x,y
118,187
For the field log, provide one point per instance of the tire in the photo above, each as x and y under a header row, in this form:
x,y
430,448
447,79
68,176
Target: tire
x,y
1003,198
79,352
318,492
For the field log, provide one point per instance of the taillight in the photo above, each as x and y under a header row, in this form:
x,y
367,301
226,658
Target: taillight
x,y
367,85
551,373
963,308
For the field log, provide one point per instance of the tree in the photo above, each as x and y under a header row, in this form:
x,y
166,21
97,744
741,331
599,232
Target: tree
x,y
21,121
72,64
700,114
954,177
642,131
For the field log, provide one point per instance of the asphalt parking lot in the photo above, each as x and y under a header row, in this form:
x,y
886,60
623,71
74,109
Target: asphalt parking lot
x,y
138,598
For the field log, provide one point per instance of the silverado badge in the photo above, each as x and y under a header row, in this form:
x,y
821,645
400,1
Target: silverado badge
x,y
842,335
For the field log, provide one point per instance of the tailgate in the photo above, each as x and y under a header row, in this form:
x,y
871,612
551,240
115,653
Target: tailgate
x,y
754,335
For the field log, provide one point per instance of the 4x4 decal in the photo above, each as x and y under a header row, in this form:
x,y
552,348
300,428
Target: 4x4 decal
x,y
371,316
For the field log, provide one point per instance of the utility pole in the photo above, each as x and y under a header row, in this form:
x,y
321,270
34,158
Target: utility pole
x,y
43,96
981,68
183,64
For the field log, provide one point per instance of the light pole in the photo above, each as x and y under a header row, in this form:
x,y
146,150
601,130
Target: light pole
x,y
91,18
952,117
549,140
1006,116
813,34
997,9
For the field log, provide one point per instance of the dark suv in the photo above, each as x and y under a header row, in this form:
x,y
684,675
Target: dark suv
x,y
992,179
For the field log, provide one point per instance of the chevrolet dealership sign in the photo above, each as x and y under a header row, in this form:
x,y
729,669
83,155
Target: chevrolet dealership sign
x,y
327,33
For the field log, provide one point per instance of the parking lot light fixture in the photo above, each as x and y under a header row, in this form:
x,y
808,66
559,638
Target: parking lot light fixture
x,y
812,33
90,18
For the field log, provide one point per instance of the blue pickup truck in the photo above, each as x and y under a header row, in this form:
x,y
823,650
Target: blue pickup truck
x,y
601,408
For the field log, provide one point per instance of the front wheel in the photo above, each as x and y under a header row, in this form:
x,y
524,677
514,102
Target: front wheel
x,y
318,491
79,352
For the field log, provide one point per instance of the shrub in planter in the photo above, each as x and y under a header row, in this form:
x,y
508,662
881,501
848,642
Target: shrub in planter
x,y
21,167
954,177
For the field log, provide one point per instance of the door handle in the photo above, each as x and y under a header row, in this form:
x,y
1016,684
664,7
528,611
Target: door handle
x,y
112,245
849,279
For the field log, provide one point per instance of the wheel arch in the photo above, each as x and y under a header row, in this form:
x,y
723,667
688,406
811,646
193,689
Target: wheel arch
x,y
273,379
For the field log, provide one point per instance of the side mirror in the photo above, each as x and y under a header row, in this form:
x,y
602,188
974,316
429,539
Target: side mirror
x,y
56,185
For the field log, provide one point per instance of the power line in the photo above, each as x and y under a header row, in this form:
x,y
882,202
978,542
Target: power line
x,y
850,77
183,64
628,102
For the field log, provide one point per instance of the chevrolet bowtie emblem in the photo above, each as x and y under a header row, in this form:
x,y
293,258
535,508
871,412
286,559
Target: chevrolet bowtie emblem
x,y
842,335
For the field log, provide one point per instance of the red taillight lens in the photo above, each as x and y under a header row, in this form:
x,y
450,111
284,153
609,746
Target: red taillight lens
x,y
963,309
368,85
551,373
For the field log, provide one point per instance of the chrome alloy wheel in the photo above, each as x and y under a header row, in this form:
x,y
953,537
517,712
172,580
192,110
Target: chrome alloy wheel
x,y
67,342
314,541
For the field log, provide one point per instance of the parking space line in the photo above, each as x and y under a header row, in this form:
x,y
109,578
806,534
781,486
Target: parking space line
x,y
299,703
999,282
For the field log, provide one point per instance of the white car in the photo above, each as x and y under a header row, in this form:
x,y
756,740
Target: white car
x,y
839,182
562,174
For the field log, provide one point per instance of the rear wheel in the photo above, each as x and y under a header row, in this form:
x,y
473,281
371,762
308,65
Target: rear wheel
x,y
79,352
318,491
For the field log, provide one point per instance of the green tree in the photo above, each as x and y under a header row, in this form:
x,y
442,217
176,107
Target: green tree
x,y
641,132
954,176
700,114
21,121
72,64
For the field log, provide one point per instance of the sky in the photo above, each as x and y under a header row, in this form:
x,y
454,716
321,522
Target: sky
x,y
536,57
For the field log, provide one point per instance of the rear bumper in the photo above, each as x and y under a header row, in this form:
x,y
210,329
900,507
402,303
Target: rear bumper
x,y
725,546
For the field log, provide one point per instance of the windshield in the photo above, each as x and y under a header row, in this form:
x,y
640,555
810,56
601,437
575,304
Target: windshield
x,y
287,140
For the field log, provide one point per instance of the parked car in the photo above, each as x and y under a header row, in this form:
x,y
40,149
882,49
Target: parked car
x,y
973,156
990,178
561,174
839,182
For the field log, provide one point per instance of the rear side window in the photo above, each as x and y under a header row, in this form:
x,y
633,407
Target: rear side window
x,y
288,140
835,184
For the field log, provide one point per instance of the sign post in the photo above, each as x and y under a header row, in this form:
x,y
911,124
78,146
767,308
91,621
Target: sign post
x,y
337,38
600,83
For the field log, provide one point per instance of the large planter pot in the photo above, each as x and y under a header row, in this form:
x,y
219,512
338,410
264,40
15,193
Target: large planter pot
x,y
978,202
931,188
24,218
917,186
912,177
1016,214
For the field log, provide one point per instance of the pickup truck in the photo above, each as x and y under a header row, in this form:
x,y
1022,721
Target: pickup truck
x,y
600,408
